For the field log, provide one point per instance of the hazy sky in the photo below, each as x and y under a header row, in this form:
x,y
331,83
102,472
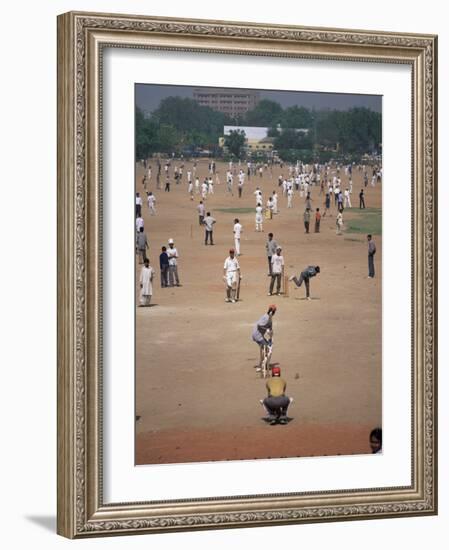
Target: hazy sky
x,y
148,97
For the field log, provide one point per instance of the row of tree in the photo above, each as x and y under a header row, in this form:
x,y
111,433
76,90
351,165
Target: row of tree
x,y
181,124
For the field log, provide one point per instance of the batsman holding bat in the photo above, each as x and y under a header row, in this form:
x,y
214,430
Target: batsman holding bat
x,y
232,276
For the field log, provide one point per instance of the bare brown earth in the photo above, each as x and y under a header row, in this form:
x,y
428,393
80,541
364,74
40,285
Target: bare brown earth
x,y
197,392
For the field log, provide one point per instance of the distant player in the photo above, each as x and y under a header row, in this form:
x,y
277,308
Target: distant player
x,y
259,217
237,234
151,200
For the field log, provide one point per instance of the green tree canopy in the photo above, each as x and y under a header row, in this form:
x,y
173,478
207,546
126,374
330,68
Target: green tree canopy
x,y
297,117
266,113
235,142
191,120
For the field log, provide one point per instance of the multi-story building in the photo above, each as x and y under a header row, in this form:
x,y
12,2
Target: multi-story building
x,y
232,102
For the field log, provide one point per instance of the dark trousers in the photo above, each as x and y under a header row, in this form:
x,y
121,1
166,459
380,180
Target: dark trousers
x,y
138,210
164,276
201,219
275,277
277,406
317,226
306,225
362,203
240,191
298,282
269,265
167,187
142,253
209,237
371,265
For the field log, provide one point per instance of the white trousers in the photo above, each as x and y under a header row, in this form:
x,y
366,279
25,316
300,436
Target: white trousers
x,y
237,245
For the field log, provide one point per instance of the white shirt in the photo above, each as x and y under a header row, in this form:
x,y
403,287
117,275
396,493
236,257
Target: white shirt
x,y
259,211
172,254
151,200
231,264
139,223
277,263
139,200
237,230
201,209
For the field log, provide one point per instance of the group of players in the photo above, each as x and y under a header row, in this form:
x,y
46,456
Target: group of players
x,y
301,178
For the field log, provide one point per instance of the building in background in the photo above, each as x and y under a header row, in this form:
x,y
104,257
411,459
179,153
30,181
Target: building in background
x,y
232,102
256,138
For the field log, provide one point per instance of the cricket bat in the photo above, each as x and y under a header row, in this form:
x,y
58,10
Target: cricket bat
x,y
238,290
286,286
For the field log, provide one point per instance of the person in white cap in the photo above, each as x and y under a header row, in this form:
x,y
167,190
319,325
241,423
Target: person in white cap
x,y
231,276
173,256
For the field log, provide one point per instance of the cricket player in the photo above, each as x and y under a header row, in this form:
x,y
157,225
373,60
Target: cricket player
x,y
259,217
339,223
173,256
237,234
139,223
277,269
264,324
371,252
201,212
305,276
231,276
138,205
276,403
151,200
289,197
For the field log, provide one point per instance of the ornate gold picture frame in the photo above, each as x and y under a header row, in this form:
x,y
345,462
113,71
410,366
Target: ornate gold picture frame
x,y
82,40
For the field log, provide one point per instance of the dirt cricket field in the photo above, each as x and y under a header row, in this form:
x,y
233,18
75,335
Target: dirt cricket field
x,y
197,391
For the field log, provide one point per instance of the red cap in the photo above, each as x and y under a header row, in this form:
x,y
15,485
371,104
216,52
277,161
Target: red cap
x,y
275,371
231,250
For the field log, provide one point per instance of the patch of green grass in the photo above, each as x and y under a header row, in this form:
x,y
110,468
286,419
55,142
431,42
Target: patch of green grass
x,y
365,221
235,210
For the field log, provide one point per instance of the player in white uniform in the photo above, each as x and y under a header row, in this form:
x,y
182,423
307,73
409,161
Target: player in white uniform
x,y
204,190
289,198
151,200
231,276
259,217
275,202
237,234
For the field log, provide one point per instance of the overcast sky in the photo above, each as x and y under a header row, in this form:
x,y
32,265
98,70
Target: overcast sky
x,y
148,97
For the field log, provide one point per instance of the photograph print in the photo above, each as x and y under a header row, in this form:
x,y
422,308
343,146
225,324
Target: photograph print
x,y
258,274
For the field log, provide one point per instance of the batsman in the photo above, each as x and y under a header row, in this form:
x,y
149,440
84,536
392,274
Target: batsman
x,y
232,276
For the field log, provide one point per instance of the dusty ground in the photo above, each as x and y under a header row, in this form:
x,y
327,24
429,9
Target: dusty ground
x,y
197,393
